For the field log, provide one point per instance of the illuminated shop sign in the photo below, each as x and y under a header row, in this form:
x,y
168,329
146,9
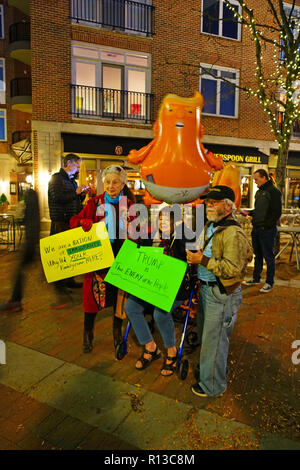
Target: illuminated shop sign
x,y
242,158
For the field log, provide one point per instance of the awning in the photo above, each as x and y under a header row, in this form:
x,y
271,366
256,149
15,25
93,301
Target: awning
x,y
239,154
294,158
101,144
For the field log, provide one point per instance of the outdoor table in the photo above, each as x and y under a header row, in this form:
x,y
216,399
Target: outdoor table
x,y
7,230
294,233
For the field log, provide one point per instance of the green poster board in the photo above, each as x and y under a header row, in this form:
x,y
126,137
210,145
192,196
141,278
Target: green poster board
x,y
148,274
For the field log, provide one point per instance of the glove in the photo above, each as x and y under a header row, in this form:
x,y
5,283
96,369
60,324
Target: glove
x,y
86,224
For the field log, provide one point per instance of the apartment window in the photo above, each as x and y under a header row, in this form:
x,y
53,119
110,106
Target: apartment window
x,y
2,82
293,15
3,124
218,19
1,22
218,86
111,82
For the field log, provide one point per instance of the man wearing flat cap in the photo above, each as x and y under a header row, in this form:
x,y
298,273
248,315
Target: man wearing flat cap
x,y
222,263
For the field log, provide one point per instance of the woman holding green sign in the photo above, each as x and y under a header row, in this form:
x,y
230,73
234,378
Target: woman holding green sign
x,y
135,308
111,207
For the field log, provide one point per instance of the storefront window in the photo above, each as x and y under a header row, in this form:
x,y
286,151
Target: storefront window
x,y
245,191
136,185
91,179
245,186
294,193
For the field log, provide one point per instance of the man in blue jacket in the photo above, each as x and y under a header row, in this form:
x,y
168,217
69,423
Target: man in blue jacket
x,y
265,216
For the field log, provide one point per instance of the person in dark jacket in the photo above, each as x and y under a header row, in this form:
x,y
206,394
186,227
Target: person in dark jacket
x,y
64,196
65,200
136,308
265,216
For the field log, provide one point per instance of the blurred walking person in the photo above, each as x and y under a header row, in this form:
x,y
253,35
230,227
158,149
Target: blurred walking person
x,y
31,223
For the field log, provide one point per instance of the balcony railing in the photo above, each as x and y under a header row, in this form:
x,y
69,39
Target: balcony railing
x,y
19,32
108,103
122,15
20,87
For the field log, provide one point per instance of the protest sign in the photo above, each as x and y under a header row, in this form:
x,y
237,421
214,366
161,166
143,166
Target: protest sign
x,y
148,274
75,252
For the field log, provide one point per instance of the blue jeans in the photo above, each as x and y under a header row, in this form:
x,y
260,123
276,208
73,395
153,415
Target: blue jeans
x,y
263,247
216,318
135,309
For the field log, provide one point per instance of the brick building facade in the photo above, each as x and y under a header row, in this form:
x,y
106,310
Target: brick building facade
x,y
100,69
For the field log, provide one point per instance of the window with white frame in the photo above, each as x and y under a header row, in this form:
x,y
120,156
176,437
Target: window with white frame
x,y
3,133
219,19
2,82
1,22
110,81
218,86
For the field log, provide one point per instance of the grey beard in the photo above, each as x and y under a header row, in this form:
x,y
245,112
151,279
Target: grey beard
x,y
212,218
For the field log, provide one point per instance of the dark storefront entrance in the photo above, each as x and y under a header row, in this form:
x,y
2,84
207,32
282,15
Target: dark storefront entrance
x,y
100,151
248,159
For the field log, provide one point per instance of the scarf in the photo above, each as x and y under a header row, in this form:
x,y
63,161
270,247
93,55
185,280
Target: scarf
x,y
110,216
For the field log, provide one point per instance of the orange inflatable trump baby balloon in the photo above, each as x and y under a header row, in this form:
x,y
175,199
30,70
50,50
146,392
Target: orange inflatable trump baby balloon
x,y
229,176
175,167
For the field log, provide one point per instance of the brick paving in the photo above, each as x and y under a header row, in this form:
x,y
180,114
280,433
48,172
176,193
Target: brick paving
x,y
263,383
26,424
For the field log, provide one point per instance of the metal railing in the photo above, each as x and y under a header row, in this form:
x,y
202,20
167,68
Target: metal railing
x,y
124,15
19,32
108,103
20,87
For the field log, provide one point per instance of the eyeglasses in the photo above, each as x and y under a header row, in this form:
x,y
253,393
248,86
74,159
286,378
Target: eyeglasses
x,y
213,202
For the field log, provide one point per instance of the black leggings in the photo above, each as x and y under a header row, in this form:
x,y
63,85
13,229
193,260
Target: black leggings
x,y
89,320
111,300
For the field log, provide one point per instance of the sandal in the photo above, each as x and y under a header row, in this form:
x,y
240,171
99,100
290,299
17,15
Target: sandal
x,y
169,367
146,362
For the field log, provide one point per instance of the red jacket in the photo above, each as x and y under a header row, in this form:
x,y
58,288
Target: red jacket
x,y
89,212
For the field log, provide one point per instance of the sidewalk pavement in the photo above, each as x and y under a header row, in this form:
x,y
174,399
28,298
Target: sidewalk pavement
x,y
52,396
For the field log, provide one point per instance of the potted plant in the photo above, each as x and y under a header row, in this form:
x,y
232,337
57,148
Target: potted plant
x,y
3,203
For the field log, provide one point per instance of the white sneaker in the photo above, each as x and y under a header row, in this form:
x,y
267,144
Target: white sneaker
x,y
266,288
